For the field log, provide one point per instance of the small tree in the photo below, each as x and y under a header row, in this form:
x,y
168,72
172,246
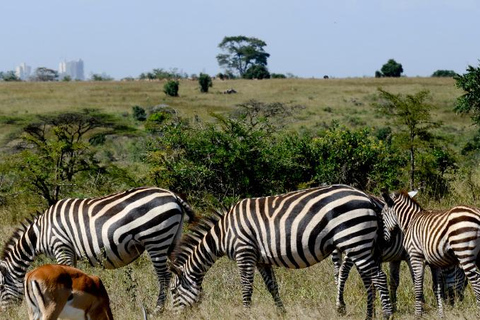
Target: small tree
x,y
171,88
391,69
9,76
411,114
205,82
469,102
45,74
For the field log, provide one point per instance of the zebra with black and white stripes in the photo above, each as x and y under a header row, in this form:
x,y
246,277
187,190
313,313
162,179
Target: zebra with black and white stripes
x,y
293,230
393,251
110,231
440,238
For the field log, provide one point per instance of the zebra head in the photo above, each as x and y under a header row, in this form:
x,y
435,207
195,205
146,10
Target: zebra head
x,y
10,292
389,216
186,290
396,203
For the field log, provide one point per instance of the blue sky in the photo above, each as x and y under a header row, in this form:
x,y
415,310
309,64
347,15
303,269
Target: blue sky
x,y
311,38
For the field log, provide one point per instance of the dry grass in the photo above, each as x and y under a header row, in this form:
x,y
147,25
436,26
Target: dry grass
x,y
347,100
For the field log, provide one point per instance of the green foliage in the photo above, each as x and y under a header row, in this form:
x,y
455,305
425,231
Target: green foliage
x,y
444,73
360,159
171,88
247,154
205,82
278,76
101,77
411,114
158,120
435,170
56,153
67,79
162,74
241,53
9,76
45,74
469,102
390,69
139,113
257,72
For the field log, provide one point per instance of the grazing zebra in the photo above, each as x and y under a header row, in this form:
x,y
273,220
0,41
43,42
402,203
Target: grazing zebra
x,y
440,238
293,230
110,231
394,253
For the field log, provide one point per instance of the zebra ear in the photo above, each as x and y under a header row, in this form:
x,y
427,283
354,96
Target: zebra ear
x,y
412,193
387,197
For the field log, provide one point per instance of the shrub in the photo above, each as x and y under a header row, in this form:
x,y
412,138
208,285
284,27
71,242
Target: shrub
x,y
278,76
171,88
444,73
205,82
257,72
139,113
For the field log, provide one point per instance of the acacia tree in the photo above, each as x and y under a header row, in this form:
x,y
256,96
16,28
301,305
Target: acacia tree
x,y
241,53
411,115
57,150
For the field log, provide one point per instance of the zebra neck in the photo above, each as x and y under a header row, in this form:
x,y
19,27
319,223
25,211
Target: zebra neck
x,y
204,256
20,251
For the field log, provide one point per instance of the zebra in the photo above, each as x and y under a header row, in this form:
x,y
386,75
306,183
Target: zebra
x,y
440,238
110,231
393,252
292,230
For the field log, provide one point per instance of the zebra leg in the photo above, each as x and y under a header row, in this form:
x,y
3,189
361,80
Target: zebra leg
x,y
437,289
337,264
394,282
271,282
246,265
159,260
418,274
65,254
367,282
344,271
473,275
380,283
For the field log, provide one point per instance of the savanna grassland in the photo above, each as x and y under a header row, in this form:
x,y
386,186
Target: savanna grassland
x,y
308,293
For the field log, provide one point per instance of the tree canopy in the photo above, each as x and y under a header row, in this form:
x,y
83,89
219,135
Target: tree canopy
x,y
469,102
241,53
390,69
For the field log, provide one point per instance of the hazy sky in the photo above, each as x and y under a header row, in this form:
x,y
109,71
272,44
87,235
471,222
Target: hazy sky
x,y
311,38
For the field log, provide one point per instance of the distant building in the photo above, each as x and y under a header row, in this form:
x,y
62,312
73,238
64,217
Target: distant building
x,y
23,71
73,69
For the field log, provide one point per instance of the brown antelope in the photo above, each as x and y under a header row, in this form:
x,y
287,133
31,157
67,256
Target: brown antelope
x,y
59,291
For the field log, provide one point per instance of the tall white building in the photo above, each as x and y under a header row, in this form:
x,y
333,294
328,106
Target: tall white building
x,y
23,71
73,69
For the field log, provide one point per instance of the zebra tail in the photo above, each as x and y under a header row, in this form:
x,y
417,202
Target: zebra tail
x,y
192,217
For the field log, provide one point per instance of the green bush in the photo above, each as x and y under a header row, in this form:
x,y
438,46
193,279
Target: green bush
x,y
171,88
257,72
444,73
205,82
139,113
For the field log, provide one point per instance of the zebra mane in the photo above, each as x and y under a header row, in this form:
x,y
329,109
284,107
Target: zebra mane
x,y
405,194
18,233
193,237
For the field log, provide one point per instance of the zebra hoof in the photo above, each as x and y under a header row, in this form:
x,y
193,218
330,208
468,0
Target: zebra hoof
x,y
341,309
158,310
